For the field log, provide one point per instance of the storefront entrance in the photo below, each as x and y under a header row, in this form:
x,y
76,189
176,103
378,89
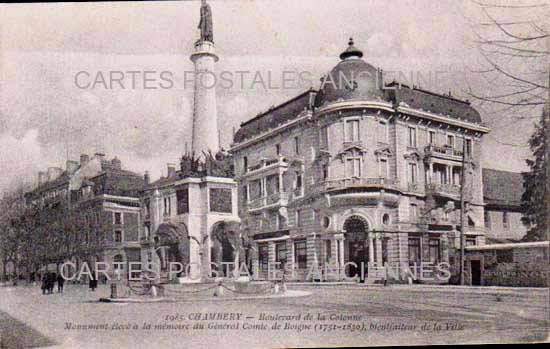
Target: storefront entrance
x,y
356,246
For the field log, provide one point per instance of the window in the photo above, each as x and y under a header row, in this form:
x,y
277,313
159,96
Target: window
x,y
431,137
386,219
244,190
118,262
412,137
299,217
87,238
256,189
468,146
325,172
487,220
182,197
300,253
279,221
118,218
272,184
245,164
167,206
382,131
323,137
298,176
383,168
505,220
280,253
414,211
278,149
297,145
118,236
351,133
353,167
326,222
435,250
414,250
451,141
328,250
470,241
413,175
263,256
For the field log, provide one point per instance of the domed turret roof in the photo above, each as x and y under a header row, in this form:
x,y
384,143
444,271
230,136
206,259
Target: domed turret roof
x,y
351,78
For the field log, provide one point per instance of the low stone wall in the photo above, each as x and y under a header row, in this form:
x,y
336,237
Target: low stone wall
x,y
516,274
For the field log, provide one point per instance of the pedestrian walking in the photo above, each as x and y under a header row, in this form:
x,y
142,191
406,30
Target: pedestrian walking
x,y
44,285
51,282
93,282
60,283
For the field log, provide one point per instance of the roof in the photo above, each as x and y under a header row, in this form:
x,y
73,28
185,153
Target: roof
x,y
433,102
161,182
350,79
275,116
502,188
63,179
355,79
508,246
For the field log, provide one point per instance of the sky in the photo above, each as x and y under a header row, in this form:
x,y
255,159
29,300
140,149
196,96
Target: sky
x,y
49,114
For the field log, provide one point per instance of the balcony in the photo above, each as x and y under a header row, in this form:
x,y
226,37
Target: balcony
x,y
445,152
444,190
273,200
269,165
357,182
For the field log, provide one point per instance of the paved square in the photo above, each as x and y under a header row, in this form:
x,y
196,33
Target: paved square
x,y
352,315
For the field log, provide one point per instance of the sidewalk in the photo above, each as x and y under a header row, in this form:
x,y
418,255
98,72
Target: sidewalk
x,y
424,287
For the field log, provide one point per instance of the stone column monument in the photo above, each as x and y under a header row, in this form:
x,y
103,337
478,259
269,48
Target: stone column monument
x,y
205,117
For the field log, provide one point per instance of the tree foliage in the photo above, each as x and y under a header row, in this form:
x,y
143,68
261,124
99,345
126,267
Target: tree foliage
x,y
536,197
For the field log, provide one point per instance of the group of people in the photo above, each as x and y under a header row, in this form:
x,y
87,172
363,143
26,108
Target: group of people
x,y
49,279
48,282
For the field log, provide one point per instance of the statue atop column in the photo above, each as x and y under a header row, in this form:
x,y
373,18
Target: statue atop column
x,y
205,25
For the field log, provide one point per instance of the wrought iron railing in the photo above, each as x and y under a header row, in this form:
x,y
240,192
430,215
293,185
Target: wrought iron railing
x,y
445,150
280,198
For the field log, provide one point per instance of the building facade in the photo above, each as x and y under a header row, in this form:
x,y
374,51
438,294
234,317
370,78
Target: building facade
x,y
359,172
90,211
502,191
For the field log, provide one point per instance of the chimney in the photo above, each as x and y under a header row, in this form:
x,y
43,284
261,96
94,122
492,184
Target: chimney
x,y
72,166
171,169
42,177
146,178
116,164
84,159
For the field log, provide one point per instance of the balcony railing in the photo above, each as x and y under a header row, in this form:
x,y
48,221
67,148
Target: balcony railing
x,y
356,182
444,189
445,150
269,200
267,163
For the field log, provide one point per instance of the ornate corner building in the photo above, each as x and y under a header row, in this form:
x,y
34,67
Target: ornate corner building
x,y
359,171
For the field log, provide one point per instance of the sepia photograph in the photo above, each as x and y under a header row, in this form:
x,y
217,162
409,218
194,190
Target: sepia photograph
x,y
274,174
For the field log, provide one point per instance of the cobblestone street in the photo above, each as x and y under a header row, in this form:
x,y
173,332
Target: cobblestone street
x,y
352,315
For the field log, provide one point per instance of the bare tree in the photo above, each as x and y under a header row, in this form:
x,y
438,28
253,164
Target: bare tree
x,y
513,40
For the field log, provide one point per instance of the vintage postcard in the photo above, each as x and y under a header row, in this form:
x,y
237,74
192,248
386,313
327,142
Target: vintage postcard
x,y
274,174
